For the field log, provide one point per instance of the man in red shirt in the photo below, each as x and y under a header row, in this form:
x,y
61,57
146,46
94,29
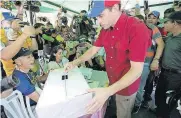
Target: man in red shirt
x,y
126,41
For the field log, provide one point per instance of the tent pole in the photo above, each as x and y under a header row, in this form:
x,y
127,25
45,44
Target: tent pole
x,y
54,4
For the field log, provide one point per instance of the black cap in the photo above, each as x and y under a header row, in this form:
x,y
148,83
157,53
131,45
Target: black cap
x,y
22,52
175,16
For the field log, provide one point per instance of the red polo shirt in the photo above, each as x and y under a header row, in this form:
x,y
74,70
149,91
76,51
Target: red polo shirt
x,y
127,41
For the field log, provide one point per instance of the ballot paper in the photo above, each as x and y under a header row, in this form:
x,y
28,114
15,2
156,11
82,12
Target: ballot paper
x,y
60,100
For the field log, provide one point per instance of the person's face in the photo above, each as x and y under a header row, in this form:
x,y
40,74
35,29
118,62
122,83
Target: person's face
x,y
16,25
105,19
59,55
27,62
65,31
152,20
39,30
49,27
82,14
62,46
132,12
169,26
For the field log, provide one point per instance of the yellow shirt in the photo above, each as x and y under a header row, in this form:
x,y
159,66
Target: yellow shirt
x,y
3,36
8,65
27,43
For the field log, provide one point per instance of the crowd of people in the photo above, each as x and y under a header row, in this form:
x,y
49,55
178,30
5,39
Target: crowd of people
x,y
29,53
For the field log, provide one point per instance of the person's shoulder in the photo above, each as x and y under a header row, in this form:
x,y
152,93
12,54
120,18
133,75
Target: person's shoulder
x,y
65,59
18,77
17,73
135,23
151,26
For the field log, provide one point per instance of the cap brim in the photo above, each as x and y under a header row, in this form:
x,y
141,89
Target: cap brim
x,y
96,11
25,54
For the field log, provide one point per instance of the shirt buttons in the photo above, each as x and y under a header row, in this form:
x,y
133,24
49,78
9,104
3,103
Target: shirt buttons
x,y
110,67
111,57
117,28
112,36
112,47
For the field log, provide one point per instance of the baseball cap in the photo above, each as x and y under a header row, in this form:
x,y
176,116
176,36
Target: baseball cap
x,y
155,13
175,16
99,5
8,16
22,52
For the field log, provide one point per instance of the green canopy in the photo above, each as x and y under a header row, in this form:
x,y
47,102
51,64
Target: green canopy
x,y
46,9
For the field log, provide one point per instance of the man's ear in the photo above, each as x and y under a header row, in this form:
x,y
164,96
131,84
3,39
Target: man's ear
x,y
18,62
115,7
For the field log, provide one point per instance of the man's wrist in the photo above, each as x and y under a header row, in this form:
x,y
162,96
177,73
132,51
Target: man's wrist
x,y
156,58
110,91
24,35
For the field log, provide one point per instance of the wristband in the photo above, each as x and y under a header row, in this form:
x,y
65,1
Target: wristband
x,y
156,59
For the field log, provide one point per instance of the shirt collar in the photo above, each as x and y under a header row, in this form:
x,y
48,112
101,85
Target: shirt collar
x,y
121,22
178,36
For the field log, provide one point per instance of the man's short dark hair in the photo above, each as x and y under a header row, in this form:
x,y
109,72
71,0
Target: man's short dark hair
x,y
175,16
48,23
38,25
169,10
83,11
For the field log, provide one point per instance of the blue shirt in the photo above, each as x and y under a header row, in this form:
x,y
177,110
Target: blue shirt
x,y
25,82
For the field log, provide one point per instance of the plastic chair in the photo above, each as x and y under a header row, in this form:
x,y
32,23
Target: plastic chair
x,y
15,107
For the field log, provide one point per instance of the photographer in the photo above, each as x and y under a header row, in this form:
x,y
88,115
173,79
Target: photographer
x,y
177,5
51,36
82,24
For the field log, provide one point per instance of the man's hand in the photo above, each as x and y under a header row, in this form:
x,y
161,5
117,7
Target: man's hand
x,y
69,66
29,30
101,95
154,65
147,11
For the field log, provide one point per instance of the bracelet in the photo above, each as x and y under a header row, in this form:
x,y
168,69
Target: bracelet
x,y
156,59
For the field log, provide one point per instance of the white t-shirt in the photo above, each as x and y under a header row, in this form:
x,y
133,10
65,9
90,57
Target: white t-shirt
x,y
54,65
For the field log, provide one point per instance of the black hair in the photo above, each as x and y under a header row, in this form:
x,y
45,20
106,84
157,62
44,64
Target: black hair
x,y
62,27
83,11
54,51
64,44
38,25
48,23
175,16
169,10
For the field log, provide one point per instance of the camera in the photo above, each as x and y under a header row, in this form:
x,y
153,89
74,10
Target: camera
x,y
32,6
49,32
22,24
84,18
17,3
64,20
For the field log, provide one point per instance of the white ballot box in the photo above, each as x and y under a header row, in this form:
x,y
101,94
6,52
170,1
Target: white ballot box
x,y
63,98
